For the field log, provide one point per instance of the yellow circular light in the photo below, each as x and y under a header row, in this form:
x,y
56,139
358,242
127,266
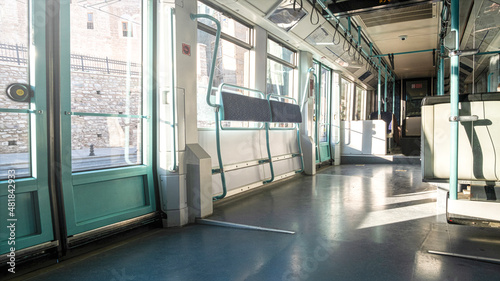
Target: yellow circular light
x,y
20,92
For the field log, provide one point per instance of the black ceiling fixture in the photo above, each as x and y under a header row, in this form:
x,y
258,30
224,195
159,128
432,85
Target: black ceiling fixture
x,y
352,7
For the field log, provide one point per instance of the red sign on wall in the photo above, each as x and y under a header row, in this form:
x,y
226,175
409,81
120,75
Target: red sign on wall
x,y
186,49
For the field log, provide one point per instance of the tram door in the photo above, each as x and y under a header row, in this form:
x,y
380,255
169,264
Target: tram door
x,y
323,110
105,101
24,193
99,114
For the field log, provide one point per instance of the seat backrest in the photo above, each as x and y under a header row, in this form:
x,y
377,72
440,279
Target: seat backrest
x,y
285,112
236,107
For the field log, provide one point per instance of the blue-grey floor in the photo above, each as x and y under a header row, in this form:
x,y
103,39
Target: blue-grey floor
x,y
352,222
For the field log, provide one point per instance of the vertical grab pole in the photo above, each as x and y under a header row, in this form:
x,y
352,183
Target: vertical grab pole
x,y
174,92
379,89
385,90
454,85
216,106
214,58
316,111
267,144
441,71
394,94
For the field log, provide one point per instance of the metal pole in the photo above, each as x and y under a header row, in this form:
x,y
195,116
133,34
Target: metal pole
x,y
441,72
379,89
316,112
214,58
385,90
404,53
393,94
454,84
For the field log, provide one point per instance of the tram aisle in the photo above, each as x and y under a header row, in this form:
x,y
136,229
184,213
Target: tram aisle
x,y
352,222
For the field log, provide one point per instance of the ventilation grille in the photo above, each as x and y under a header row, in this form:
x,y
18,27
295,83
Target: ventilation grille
x,y
382,17
365,75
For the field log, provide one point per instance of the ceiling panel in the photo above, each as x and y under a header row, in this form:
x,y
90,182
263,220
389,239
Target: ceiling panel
x,y
418,24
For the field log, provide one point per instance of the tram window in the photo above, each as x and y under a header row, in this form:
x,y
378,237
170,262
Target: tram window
x,y
281,72
277,50
360,104
232,63
229,26
346,100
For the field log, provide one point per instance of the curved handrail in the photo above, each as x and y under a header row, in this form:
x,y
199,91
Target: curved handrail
x,y
209,90
214,58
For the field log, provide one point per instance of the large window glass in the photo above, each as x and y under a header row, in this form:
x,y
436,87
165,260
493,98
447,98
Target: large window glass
x,y
14,65
346,100
232,65
360,101
280,69
106,84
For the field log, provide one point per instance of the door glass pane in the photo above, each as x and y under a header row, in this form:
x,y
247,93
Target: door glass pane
x,y
14,127
105,142
324,117
15,144
106,78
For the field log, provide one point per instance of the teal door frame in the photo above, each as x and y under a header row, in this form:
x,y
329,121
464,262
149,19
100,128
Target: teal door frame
x,y
32,211
98,198
323,147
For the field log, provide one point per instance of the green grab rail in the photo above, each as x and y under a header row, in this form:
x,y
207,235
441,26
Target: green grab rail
x,y
379,89
316,121
174,113
219,157
15,110
385,90
394,94
214,58
209,90
454,111
106,115
269,96
269,152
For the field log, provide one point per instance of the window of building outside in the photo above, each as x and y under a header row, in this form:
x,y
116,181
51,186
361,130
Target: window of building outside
x,y
127,29
281,72
90,21
232,65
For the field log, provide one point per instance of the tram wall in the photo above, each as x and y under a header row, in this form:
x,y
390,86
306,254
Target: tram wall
x,y
90,92
243,146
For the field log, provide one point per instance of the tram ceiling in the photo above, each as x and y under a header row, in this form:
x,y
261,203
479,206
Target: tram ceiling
x,y
405,29
418,22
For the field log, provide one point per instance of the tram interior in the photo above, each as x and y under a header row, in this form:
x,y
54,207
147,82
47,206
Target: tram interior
x,y
249,139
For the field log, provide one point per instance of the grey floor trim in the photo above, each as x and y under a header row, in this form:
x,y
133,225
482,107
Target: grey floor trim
x,y
241,226
464,256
